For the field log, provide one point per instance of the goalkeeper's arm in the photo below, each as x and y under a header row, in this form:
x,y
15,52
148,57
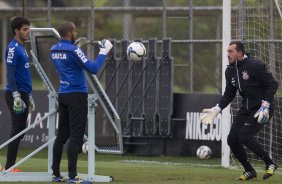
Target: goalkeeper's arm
x,y
228,96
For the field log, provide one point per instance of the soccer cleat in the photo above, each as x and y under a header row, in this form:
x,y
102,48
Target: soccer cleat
x,y
269,170
247,175
58,179
77,179
15,170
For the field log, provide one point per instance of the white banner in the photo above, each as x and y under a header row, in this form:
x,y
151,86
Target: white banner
x,y
195,130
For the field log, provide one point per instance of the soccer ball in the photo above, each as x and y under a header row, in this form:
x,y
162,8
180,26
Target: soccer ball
x,y
85,147
204,152
136,51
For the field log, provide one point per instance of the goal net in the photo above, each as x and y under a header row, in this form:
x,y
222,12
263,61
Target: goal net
x,y
259,25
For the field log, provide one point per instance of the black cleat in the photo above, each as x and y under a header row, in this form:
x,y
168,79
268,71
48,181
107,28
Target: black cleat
x,y
269,170
247,175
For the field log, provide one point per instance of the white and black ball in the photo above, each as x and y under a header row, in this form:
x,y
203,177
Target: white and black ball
x,y
85,147
204,152
136,51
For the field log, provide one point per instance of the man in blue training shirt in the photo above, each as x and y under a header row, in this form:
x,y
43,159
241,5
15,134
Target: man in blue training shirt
x,y
18,91
70,62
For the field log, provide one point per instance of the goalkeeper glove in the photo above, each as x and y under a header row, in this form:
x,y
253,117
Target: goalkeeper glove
x,y
31,104
105,46
210,114
81,41
263,113
19,105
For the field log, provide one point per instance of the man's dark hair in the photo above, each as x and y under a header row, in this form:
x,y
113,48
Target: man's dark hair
x,y
239,46
18,22
65,28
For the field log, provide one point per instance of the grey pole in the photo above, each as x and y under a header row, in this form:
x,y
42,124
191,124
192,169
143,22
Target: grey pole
x,y
241,22
24,8
126,21
191,45
91,29
4,45
49,16
164,19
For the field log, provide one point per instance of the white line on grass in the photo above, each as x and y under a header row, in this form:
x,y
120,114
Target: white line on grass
x,y
187,164
167,163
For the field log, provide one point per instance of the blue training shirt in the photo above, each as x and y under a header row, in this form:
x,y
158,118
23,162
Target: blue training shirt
x,y
18,68
70,62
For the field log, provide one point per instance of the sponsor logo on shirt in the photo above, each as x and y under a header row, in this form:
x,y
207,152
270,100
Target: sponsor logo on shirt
x,y
10,55
59,56
64,82
81,55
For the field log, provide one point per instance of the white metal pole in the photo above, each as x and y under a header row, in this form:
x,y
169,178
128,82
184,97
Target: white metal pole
x,y
91,137
52,127
226,114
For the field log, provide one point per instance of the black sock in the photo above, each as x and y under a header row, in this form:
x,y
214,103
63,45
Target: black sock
x,y
57,174
247,166
267,160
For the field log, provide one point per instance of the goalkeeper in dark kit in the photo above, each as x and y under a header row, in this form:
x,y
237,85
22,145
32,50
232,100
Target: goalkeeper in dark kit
x,y
257,88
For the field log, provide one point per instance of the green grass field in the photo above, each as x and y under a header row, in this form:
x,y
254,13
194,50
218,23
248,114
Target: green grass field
x,y
151,170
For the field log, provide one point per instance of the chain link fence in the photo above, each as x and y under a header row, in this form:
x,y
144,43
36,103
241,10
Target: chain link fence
x,y
194,27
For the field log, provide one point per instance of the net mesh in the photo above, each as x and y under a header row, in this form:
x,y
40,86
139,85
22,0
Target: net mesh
x,y
258,24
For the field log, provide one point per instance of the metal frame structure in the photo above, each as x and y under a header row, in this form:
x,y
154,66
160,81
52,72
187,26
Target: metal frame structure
x,y
36,176
99,95
164,11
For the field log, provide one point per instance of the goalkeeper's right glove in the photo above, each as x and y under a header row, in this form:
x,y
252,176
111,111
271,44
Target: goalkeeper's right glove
x,y
210,114
105,46
19,105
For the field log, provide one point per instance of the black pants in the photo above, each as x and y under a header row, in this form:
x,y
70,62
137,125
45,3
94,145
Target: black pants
x,y
73,111
242,132
18,124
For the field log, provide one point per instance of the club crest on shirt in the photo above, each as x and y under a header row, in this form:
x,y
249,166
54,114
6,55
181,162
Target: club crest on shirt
x,y
245,75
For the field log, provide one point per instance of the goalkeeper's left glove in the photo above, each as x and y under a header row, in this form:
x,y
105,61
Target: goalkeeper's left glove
x,y
80,41
210,114
263,113
31,104
105,46
19,105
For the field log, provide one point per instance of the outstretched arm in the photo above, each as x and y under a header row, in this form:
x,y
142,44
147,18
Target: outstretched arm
x,y
227,97
94,66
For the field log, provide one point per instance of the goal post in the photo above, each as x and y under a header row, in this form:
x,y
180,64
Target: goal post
x,y
226,115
